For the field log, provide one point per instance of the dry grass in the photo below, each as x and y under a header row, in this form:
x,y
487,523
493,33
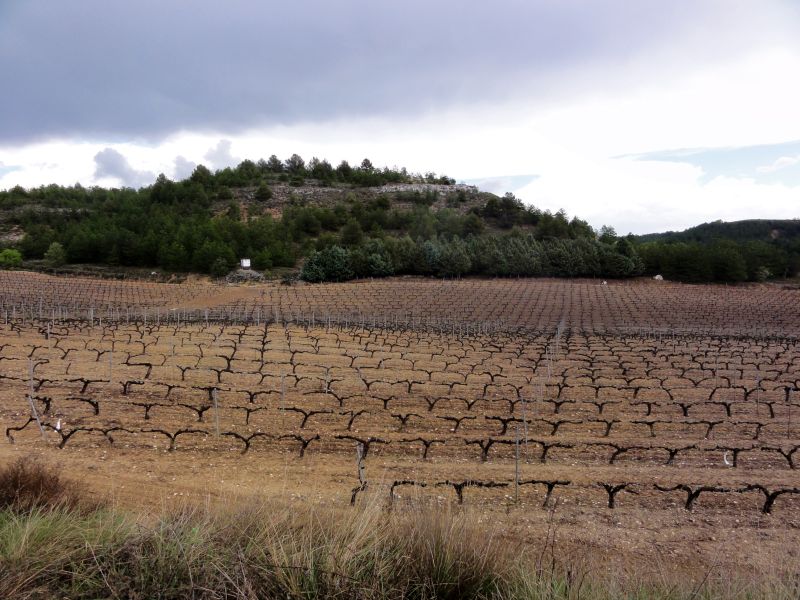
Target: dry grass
x,y
28,485
271,551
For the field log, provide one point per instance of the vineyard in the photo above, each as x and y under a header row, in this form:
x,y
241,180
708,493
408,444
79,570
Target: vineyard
x,y
551,397
455,307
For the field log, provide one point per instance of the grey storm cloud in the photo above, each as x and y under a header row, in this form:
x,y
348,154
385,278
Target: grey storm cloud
x,y
114,70
183,168
110,163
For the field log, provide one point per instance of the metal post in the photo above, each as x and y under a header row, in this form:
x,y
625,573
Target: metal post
x,y
216,410
516,464
34,412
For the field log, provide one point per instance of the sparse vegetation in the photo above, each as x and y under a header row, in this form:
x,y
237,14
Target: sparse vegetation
x,y
28,485
273,551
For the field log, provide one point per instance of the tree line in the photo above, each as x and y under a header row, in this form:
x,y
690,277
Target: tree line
x,y
515,254
720,260
195,225
749,250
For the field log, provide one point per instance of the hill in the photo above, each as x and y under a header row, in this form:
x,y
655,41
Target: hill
x,y
319,222
766,230
752,250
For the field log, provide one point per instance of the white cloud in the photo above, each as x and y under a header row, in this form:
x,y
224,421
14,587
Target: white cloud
x,y
780,164
220,155
641,197
742,102
64,163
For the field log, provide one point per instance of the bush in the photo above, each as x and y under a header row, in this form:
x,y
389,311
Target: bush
x,y
26,485
332,264
220,268
263,192
352,235
371,260
762,274
10,258
454,260
214,257
262,261
55,255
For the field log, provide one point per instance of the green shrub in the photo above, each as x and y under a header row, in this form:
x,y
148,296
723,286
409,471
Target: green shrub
x,y
331,264
55,255
220,267
10,258
264,192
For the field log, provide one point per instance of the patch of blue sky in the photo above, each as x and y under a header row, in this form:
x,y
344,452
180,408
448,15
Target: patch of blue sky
x,y
765,163
6,169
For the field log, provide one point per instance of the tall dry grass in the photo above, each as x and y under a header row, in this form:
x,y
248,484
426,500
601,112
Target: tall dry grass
x,y
60,549
27,484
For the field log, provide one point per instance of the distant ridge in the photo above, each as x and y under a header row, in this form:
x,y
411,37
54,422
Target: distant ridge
x,y
749,250
737,231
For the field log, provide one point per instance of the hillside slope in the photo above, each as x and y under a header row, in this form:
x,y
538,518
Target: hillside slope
x,y
324,223
753,250
738,231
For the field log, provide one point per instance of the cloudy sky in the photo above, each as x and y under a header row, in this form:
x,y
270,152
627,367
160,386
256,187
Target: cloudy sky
x,y
645,115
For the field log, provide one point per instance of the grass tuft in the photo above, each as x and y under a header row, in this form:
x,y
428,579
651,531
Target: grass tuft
x,y
27,485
